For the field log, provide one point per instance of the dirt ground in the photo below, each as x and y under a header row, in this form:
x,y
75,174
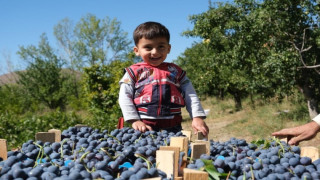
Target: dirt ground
x,y
218,133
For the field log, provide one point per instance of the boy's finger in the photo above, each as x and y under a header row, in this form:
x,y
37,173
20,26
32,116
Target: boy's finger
x,y
149,128
143,129
204,132
206,129
135,127
195,130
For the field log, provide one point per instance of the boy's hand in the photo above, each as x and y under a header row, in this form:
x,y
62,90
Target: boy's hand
x,y
199,125
140,126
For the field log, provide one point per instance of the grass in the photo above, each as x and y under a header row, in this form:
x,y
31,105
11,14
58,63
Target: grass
x,y
251,123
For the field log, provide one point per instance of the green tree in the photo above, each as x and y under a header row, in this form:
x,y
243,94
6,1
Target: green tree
x,y
14,99
99,49
200,69
63,32
42,79
252,46
101,84
301,38
100,40
89,42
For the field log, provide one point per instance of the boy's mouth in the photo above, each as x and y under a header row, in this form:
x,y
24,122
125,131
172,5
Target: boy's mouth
x,y
155,59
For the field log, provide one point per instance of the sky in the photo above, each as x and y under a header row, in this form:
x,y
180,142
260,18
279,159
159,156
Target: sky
x,y
23,22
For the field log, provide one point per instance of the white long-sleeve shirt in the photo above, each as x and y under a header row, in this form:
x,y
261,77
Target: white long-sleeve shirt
x,y
317,119
130,112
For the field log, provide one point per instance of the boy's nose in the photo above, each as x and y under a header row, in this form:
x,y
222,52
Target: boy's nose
x,y
154,51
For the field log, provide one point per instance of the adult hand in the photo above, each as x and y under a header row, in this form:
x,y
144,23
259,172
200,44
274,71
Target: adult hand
x,y
140,126
299,133
198,124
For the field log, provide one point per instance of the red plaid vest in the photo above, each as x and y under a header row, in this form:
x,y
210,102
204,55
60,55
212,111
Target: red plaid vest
x,y
157,90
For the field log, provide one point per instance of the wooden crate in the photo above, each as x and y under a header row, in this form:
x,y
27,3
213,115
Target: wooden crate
x,y
182,143
188,134
310,151
191,174
207,143
45,137
176,157
53,135
3,149
197,150
200,136
165,161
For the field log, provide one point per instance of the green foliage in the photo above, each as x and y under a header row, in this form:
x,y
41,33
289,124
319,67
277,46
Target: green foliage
x,y
98,44
92,40
299,113
42,79
101,86
14,100
101,46
98,48
213,172
200,69
18,129
256,47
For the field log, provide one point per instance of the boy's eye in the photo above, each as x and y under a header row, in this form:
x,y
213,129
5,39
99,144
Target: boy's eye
x,y
148,48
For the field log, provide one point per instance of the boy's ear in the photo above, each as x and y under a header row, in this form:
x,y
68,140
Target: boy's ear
x,y
169,48
136,51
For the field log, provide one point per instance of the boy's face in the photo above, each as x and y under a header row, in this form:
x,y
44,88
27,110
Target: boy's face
x,y
153,51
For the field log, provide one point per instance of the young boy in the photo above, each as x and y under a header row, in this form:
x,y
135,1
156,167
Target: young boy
x,y
153,92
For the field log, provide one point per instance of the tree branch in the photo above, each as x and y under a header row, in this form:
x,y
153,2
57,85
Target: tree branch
x,y
302,50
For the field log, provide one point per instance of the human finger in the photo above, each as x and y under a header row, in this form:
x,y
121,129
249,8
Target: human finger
x,y
195,130
204,131
134,126
206,128
294,141
284,132
143,129
149,128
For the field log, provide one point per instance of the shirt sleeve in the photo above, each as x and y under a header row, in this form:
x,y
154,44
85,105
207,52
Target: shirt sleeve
x,y
317,119
127,106
192,101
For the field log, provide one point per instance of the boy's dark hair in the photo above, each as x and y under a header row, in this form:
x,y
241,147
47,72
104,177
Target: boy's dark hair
x,y
150,30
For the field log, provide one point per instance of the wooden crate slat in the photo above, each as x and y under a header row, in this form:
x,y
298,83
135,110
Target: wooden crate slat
x,y
178,178
165,161
187,133
154,178
197,150
3,149
176,157
191,174
80,125
207,143
200,136
57,133
182,143
310,151
45,137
